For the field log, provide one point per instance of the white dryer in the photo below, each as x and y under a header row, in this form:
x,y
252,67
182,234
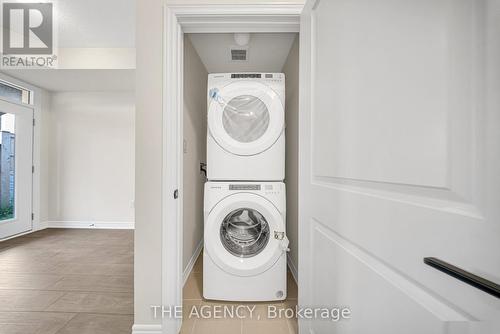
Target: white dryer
x,y
246,127
245,241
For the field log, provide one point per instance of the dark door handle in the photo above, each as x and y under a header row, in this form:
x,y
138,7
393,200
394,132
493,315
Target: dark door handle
x,y
481,283
176,193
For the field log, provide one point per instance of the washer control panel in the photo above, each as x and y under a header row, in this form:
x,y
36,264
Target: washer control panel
x,y
271,188
273,191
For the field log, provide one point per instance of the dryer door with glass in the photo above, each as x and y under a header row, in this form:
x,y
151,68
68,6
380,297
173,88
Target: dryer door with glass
x,y
244,234
245,117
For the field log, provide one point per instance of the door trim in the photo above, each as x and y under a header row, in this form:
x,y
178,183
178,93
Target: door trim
x,y
31,203
19,109
177,20
39,106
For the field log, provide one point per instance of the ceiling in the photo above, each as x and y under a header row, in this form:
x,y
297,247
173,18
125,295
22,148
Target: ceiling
x,y
77,80
267,52
94,23
89,26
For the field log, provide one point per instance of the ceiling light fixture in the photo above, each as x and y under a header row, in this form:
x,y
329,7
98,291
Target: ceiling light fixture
x,y
242,39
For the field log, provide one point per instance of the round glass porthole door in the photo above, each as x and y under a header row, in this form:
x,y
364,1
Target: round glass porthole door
x,y
244,232
245,118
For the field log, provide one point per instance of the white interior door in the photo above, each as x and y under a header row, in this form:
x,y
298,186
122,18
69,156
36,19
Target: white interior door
x,y
399,160
16,144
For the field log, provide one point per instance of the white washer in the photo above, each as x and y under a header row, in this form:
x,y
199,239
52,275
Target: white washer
x,y
245,241
246,127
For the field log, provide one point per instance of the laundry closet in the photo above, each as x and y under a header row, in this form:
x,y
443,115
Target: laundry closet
x,y
270,59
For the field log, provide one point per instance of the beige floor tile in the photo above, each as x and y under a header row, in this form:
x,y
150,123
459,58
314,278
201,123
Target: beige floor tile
x,y
293,326
292,291
35,243
33,322
223,322
44,233
65,268
292,322
198,266
34,267
19,253
94,302
27,281
25,267
8,243
211,326
266,311
193,292
94,283
212,303
230,323
265,327
92,254
99,324
193,287
27,300
187,319
110,258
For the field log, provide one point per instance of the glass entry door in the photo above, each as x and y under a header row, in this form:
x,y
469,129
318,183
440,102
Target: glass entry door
x,y
16,161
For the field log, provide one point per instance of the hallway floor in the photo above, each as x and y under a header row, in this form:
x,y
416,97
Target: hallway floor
x,y
75,281
67,281
193,297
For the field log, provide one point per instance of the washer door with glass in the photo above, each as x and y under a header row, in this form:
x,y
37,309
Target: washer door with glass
x,y
239,234
245,117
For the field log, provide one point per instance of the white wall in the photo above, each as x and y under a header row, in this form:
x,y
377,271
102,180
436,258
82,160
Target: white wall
x,y
195,139
291,70
91,158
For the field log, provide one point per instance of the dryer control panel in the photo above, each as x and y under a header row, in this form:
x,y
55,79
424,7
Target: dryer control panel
x,y
218,79
268,76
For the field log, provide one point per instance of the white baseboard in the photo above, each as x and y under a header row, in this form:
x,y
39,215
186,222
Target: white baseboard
x,y
90,224
76,224
192,261
146,329
293,269
17,235
41,226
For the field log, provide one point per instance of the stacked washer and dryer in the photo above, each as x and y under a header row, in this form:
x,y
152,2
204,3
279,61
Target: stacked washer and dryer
x,y
245,201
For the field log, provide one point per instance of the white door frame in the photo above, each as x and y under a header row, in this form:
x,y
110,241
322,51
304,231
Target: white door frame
x,y
39,106
23,200
180,19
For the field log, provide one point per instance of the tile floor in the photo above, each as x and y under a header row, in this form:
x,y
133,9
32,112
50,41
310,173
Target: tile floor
x,y
193,297
71,281
67,281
